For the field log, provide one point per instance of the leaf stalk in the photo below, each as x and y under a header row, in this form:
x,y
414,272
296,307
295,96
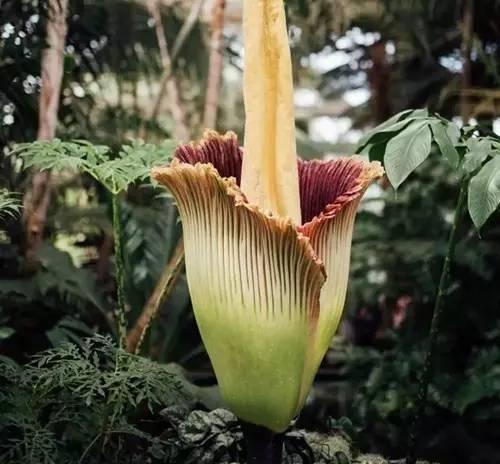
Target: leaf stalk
x,y
120,266
438,311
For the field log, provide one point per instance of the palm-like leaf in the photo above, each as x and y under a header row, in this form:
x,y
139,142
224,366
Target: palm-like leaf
x,y
10,204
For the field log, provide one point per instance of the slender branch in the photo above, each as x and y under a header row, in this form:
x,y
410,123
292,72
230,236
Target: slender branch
x,y
216,62
439,306
380,81
170,85
162,290
154,9
467,38
186,29
120,285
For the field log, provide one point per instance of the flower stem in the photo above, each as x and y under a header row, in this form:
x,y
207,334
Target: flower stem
x,y
438,311
117,233
263,445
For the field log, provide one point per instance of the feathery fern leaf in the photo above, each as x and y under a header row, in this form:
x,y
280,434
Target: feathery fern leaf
x,y
55,409
132,164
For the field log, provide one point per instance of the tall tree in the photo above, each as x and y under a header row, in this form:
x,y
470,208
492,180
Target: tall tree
x,y
37,199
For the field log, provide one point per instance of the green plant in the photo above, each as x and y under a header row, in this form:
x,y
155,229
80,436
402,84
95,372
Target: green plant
x,y
407,139
78,403
132,164
404,142
9,204
68,298
150,231
257,251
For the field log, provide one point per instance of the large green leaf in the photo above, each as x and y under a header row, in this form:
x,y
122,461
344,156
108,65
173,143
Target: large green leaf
x,y
484,192
375,152
445,144
478,151
394,124
406,151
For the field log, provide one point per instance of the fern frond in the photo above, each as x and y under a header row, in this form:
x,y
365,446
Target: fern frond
x,y
37,444
58,155
97,372
132,164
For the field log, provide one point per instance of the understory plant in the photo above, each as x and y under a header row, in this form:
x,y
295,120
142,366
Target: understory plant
x,y
83,403
403,143
9,204
114,172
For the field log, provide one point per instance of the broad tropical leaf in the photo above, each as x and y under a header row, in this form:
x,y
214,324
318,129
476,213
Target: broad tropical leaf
x,y
445,144
484,192
407,151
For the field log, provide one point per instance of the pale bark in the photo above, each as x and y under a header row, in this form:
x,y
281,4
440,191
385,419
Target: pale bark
x,y
216,62
37,200
186,29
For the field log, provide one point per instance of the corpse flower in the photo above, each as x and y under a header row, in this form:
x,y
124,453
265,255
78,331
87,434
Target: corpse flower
x,y
267,237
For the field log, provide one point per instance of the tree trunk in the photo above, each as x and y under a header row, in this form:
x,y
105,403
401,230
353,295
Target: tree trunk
x,y
215,65
37,200
380,81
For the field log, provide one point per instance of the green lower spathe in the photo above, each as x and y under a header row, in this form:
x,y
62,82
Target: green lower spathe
x,y
255,288
259,365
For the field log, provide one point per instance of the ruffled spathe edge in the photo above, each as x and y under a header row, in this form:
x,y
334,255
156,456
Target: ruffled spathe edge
x,y
223,152
368,172
230,187
220,150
